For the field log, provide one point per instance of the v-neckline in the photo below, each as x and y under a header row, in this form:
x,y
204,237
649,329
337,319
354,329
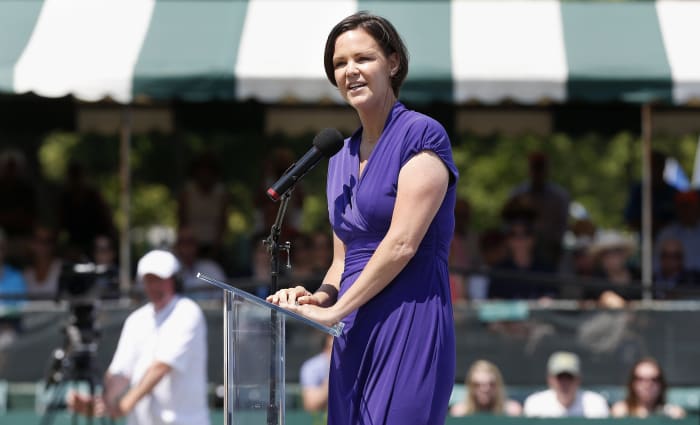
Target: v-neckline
x,y
363,171
387,123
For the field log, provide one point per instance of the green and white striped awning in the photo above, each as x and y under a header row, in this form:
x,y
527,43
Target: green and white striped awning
x,y
488,51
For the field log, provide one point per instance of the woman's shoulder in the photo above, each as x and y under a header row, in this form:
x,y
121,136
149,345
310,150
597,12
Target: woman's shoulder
x,y
419,131
415,120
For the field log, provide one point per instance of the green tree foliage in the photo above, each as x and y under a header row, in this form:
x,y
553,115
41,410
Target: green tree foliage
x,y
596,170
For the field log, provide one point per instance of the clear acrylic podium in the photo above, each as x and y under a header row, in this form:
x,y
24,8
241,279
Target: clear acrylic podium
x,y
254,337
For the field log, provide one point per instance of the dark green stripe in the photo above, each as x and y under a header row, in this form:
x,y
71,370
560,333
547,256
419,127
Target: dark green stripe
x,y
17,22
190,50
425,28
615,52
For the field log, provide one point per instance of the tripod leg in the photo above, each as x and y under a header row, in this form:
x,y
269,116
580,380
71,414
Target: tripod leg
x,y
56,397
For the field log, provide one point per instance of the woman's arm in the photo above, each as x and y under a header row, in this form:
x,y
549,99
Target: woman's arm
x,y
421,189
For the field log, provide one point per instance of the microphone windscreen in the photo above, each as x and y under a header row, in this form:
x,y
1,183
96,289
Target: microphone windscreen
x,y
328,141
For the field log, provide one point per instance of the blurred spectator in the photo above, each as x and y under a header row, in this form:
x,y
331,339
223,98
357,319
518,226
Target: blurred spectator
x,y
551,203
672,277
104,252
577,268
43,272
486,393
646,393
186,250
686,228
12,287
321,252
463,251
577,260
12,282
564,398
17,203
492,246
612,251
83,214
203,205
517,276
104,255
260,267
313,378
265,209
662,193
302,258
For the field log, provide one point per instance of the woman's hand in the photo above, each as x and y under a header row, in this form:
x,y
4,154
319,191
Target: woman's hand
x,y
296,295
324,315
301,301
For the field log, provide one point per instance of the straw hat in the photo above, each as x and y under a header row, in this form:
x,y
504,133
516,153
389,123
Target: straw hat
x,y
610,239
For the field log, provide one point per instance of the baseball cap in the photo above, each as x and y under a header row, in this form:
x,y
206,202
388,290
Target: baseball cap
x,y
158,262
563,362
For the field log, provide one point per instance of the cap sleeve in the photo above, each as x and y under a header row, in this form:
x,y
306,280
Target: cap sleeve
x,y
426,134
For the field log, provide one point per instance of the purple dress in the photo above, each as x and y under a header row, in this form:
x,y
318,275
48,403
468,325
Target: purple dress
x,y
395,361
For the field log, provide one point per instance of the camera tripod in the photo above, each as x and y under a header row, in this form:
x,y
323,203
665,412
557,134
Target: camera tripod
x,y
70,365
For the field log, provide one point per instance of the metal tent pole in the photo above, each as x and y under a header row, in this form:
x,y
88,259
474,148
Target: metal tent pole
x,y
646,231
125,201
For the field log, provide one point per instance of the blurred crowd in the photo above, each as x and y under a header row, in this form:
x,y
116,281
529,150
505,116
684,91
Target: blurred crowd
x,y
548,247
39,257
545,247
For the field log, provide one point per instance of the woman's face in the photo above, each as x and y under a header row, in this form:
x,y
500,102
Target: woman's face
x,y
483,384
520,239
646,384
613,259
362,72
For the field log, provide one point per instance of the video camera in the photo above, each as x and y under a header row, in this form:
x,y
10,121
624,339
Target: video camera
x,y
87,282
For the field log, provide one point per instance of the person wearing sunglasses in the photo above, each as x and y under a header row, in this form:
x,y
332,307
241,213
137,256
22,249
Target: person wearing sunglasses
x,y
646,393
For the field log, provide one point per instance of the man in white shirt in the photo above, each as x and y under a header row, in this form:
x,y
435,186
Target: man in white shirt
x,y
564,398
158,374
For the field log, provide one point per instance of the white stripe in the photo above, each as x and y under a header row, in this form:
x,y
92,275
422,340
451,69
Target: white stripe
x,y
508,50
87,48
281,51
680,28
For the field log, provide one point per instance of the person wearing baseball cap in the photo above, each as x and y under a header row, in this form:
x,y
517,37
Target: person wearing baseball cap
x,y
564,397
159,372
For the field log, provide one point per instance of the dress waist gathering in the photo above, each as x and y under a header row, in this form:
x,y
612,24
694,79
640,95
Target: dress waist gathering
x,y
359,252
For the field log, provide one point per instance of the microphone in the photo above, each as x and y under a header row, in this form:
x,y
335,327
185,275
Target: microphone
x,y
325,144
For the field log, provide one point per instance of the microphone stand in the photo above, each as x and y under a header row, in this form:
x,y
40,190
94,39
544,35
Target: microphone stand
x,y
274,248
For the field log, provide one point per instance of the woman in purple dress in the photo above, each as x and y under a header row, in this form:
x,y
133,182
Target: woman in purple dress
x,y
391,198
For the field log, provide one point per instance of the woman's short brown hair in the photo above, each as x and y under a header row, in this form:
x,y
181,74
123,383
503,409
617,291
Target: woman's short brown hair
x,y
383,33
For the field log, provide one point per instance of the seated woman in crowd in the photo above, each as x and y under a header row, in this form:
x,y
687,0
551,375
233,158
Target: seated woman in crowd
x,y
43,272
486,393
646,393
